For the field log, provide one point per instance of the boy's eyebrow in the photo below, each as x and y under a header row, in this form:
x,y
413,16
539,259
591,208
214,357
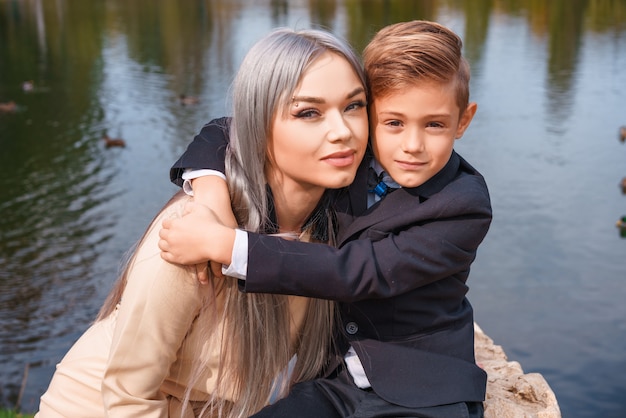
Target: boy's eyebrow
x,y
391,112
395,113
311,99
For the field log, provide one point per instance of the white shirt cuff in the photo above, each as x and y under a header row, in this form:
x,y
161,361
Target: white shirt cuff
x,y
355,367
238,267
190,174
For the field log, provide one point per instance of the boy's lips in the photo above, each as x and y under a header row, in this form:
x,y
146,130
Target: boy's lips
x,y
340,159
411,165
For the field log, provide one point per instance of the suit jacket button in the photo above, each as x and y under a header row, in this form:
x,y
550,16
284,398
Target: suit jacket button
x,y
352,328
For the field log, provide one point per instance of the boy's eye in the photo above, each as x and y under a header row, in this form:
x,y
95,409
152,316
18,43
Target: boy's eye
x,y
394,123
435,125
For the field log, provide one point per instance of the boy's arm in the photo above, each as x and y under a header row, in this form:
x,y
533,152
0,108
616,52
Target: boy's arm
x,y
212,192
196,237
206,151
437,244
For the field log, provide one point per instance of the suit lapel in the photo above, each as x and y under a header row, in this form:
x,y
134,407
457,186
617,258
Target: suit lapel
x,y
358,188
395,205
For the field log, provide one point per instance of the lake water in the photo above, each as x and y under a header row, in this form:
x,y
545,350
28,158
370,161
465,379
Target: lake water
x,y
550,81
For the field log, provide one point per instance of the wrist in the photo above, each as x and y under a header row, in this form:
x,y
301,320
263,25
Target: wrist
x,y
225,238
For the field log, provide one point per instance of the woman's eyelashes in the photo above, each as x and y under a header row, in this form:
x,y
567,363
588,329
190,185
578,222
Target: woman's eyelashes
x,y
357,105
307,113
310,113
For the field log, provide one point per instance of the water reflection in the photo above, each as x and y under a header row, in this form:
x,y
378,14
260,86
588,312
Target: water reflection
x,y
565,32
52,226
549,80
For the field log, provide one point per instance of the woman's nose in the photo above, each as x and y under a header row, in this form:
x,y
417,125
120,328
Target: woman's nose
x,y
338,128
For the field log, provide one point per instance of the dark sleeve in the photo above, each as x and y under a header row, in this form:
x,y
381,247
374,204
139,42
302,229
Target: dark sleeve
x,y
382,263
206,151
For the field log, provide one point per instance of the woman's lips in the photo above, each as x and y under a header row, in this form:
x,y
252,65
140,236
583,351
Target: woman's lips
x,y
340,159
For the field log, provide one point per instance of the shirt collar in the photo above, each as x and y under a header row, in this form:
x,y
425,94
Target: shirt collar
x,y
434,184
386,178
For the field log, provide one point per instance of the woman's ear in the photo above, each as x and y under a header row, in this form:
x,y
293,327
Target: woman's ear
x,y
466,119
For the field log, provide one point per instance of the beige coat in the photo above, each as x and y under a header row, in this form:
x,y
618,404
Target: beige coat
x,y
137,362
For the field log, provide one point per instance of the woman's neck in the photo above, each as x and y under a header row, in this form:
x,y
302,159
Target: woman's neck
x,y
294,205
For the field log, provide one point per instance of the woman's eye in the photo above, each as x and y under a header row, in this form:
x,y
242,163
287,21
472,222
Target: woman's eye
x,y
307,113
360,104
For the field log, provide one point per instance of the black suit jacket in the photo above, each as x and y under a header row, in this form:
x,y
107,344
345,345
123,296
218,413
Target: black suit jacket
x,y
399,275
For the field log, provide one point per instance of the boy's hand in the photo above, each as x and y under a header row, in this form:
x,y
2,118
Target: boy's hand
x,y
196,238
202,272
212,191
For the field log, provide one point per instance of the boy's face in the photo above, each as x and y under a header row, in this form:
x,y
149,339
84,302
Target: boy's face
x,y
413,131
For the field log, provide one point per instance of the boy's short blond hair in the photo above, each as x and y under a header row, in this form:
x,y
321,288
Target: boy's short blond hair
x,y
406,53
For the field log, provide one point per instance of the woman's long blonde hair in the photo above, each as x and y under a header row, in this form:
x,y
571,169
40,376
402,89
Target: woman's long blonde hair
x,y
256,344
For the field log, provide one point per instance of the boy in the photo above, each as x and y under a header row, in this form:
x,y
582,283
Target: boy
x,y
401,265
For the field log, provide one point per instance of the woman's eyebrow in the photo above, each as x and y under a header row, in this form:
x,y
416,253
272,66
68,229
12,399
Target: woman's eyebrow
x,y
355,92
308,99
320,100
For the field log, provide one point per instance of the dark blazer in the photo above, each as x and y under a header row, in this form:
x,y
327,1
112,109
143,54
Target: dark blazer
x,y
399,274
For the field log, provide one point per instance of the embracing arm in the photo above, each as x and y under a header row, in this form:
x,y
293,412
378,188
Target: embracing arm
x,y
417,246
206,151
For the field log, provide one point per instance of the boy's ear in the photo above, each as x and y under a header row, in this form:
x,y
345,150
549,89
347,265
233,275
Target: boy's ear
x,y
465,119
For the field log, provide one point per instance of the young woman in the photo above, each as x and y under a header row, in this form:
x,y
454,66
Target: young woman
x,y
165,346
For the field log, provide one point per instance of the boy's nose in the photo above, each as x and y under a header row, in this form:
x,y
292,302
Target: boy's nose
x,y
413,142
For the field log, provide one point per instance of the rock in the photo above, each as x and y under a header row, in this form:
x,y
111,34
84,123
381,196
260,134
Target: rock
x,y
510,392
